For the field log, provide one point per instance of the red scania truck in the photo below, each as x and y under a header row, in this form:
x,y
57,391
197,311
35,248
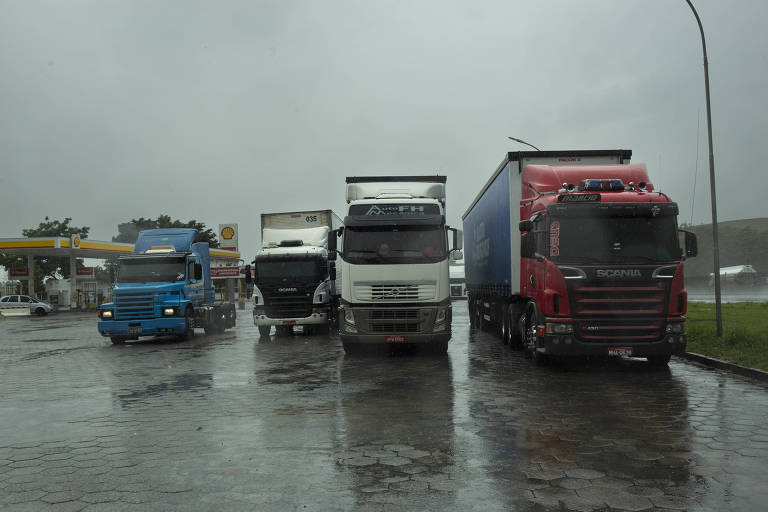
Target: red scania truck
x,y
573,253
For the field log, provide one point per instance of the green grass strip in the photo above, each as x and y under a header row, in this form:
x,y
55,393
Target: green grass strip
x,y
745,332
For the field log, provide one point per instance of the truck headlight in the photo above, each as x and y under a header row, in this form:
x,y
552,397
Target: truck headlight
x,y
169,311
440,317
105,313
558,328
676,328
349,316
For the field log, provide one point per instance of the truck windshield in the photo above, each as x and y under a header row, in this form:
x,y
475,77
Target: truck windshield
x,y
151,270
613,239
305,270
395,244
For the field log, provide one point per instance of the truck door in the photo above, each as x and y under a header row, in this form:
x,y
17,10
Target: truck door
x,y
533,269
193,290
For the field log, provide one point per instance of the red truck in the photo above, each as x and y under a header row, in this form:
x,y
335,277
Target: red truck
x,y
573,253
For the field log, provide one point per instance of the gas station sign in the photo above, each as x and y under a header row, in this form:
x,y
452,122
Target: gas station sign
x,y
19,272
85,272
221,272
228,237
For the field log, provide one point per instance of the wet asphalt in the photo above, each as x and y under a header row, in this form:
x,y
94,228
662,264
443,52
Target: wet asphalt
x,y
238,422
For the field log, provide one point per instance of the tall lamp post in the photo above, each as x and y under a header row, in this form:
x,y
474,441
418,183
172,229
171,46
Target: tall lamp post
x,y
718,304
521,141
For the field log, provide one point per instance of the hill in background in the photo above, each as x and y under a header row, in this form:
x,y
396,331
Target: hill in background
x,y
742,242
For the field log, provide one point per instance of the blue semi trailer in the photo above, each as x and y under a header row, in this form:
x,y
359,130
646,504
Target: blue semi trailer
x,y
164,288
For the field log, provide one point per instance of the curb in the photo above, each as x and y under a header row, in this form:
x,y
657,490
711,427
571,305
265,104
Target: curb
x,y
725,365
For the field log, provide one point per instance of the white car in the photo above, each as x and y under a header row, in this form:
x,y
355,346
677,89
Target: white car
x,y
36,306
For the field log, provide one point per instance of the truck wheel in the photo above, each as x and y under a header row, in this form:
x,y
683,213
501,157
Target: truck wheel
x,y
479,320
438,348
505,330
658,361
351,348
530,337
216,326
189,321
471,307
515,342
117,340
284,330
308,330
264,330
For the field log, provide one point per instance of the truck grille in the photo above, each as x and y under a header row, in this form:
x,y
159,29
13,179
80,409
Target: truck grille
x,y
297,304
130,306
398,292
393,320
615,311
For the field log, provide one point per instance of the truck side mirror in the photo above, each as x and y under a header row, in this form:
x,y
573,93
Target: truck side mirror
x,y
458,238
198,271
457,255
333,244
691,244
248,279
525,225
527,245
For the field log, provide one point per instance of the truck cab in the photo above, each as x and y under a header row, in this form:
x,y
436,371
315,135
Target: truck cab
x,y
394,257
601,263
164,288
294,284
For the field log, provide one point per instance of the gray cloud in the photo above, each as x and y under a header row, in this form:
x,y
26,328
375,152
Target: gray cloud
x,y
219,111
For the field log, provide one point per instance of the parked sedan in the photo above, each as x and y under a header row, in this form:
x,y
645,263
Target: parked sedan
x,y
36,306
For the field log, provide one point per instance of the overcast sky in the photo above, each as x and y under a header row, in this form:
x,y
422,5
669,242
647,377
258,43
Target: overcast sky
x,y
222,110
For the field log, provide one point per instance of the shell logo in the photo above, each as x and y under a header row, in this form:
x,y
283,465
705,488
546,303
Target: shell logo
x,y
76,242
227,233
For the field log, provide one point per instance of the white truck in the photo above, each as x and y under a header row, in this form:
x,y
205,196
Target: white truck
x,y
394,258
294,284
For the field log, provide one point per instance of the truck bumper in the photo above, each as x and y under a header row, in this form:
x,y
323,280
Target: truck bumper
x,y
568,345
319,316
145,327
398,324
395,339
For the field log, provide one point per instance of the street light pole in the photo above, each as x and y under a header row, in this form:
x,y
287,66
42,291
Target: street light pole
x,y
523,142
718,304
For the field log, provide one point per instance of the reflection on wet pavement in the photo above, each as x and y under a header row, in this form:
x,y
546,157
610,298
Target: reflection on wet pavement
x,y
238,422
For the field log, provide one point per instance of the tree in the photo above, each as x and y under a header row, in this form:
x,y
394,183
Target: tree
x,y
128,232
47,267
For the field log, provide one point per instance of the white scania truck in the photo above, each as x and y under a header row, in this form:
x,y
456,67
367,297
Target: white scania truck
x,y
394,258
293,281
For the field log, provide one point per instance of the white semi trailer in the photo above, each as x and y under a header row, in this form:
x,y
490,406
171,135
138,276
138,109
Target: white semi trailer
x,y
394,257
294,284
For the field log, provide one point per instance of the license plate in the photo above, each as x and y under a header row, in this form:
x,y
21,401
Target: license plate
x,y
134,330
289,322
395,339
620,351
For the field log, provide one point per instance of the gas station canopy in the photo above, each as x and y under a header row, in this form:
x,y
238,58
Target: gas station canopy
x,y
80,248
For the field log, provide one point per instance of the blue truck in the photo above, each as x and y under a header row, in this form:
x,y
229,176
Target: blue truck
x,y
164,288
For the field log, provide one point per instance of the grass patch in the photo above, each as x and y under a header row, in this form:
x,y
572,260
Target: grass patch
x,y
745,332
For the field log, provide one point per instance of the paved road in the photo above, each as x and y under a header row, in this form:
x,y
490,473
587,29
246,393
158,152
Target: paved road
x,y
232,422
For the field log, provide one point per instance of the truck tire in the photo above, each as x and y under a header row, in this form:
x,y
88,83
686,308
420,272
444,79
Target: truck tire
x,y
530,337
215,325
506,331
189,320
438,348
471,308
284,330
658,362
351,348
118,340
308,330
264,330
515,341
